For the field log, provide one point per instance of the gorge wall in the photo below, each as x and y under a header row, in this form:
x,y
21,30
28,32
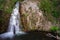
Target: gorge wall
x,y
32,17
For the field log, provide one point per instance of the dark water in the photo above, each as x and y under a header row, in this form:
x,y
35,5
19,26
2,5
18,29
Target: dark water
x,y
32,35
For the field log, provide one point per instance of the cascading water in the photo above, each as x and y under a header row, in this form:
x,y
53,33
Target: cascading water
x,y
14,20
13,28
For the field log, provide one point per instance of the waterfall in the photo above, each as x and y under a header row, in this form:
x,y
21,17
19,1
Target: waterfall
x,y
13,28
14,20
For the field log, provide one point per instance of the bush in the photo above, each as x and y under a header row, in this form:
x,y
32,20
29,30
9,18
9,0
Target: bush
x,y
49,7
54,28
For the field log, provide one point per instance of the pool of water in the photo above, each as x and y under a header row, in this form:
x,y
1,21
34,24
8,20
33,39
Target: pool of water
x,y
32,35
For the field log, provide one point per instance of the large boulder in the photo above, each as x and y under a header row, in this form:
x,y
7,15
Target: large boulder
x,y
32,18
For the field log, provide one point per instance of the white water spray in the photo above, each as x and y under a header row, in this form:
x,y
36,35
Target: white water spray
x,y
13,28
14,20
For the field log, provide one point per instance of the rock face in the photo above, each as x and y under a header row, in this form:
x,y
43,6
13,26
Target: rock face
x,y
32,18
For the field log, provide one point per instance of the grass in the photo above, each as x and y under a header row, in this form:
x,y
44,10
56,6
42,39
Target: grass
x,y
49,8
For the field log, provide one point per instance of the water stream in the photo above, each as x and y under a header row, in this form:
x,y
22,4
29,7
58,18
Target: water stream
x,y
14,27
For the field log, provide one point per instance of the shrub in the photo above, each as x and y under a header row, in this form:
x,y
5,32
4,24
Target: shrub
x,y
49,7
54,28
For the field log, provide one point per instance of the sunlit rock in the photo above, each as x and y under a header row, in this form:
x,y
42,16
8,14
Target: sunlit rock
x,y
32,18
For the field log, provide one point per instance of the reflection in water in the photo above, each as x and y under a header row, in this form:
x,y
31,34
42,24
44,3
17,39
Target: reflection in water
x,y
13,24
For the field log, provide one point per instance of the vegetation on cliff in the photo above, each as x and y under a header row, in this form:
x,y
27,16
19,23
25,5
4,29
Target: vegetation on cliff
x,y
50,9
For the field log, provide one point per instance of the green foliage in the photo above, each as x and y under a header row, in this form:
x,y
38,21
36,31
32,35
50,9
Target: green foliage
x,y
54,28
49,7
55,13
2,2
7,5
10,6
45,5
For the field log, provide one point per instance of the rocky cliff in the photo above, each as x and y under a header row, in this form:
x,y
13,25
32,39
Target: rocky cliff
x,y
32,17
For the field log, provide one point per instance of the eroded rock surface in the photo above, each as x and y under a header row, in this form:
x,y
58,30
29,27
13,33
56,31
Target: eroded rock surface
x,y
32,18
